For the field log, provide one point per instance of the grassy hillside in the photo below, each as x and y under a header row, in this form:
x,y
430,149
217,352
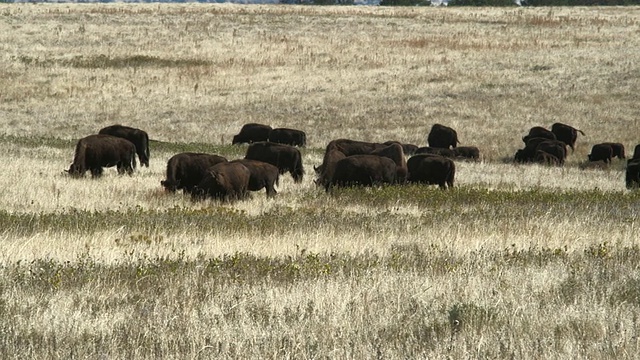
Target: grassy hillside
x,y
523,261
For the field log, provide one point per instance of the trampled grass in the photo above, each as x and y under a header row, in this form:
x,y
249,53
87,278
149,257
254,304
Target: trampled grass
x,y
517,261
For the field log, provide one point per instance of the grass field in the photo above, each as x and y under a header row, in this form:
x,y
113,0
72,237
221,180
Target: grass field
x,y
517,261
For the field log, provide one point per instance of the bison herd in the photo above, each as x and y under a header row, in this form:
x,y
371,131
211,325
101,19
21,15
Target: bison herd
x,y
273,152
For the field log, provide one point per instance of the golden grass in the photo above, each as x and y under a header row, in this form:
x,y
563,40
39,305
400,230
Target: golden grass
x,y
519,261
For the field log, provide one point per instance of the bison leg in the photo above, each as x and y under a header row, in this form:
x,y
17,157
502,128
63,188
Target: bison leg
x,y
96,172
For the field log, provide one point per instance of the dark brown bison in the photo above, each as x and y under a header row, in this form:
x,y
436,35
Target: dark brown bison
x,y
539,132
225,181
442,136
545,158
602,152
409,149
349,147
448,153
97,151
288,137
566,133
263,176
395,153
284,157
618,149
633,174
354,147
186,170
431,169
363,170
251,133
636,152
554,147
331,157
466,152
138,137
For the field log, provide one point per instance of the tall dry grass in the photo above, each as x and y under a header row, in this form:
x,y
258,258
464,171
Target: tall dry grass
x,y
517,261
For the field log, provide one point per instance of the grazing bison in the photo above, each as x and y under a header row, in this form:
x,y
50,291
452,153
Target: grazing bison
x,y
448,153
138,137
409,149
431,169
331,157
395,153
566,133
545,158
284,157
354,147
363,170
602,152
539,132
186,170
262,176
288,137
554,147
349,147
442,136
251,133
97,151
466,152
633,174
618,149
225,181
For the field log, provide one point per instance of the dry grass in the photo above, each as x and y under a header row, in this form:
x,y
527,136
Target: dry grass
x,y
517,261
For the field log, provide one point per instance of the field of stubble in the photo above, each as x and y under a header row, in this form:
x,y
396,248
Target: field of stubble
x,y
517,261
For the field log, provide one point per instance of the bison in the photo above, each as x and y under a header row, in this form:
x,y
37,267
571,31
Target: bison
x,y
636,152
288,137
539,132
284,157
395,153
554,147
262,176
363,170
618,149
331,157
545,158
409,149
225,181
566,133
633,174
431,169
442,136
602,152
466,152
138,137
250,133
94,152
349,147
186,170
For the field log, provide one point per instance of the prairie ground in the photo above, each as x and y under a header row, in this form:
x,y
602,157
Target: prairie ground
x,y
516,261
